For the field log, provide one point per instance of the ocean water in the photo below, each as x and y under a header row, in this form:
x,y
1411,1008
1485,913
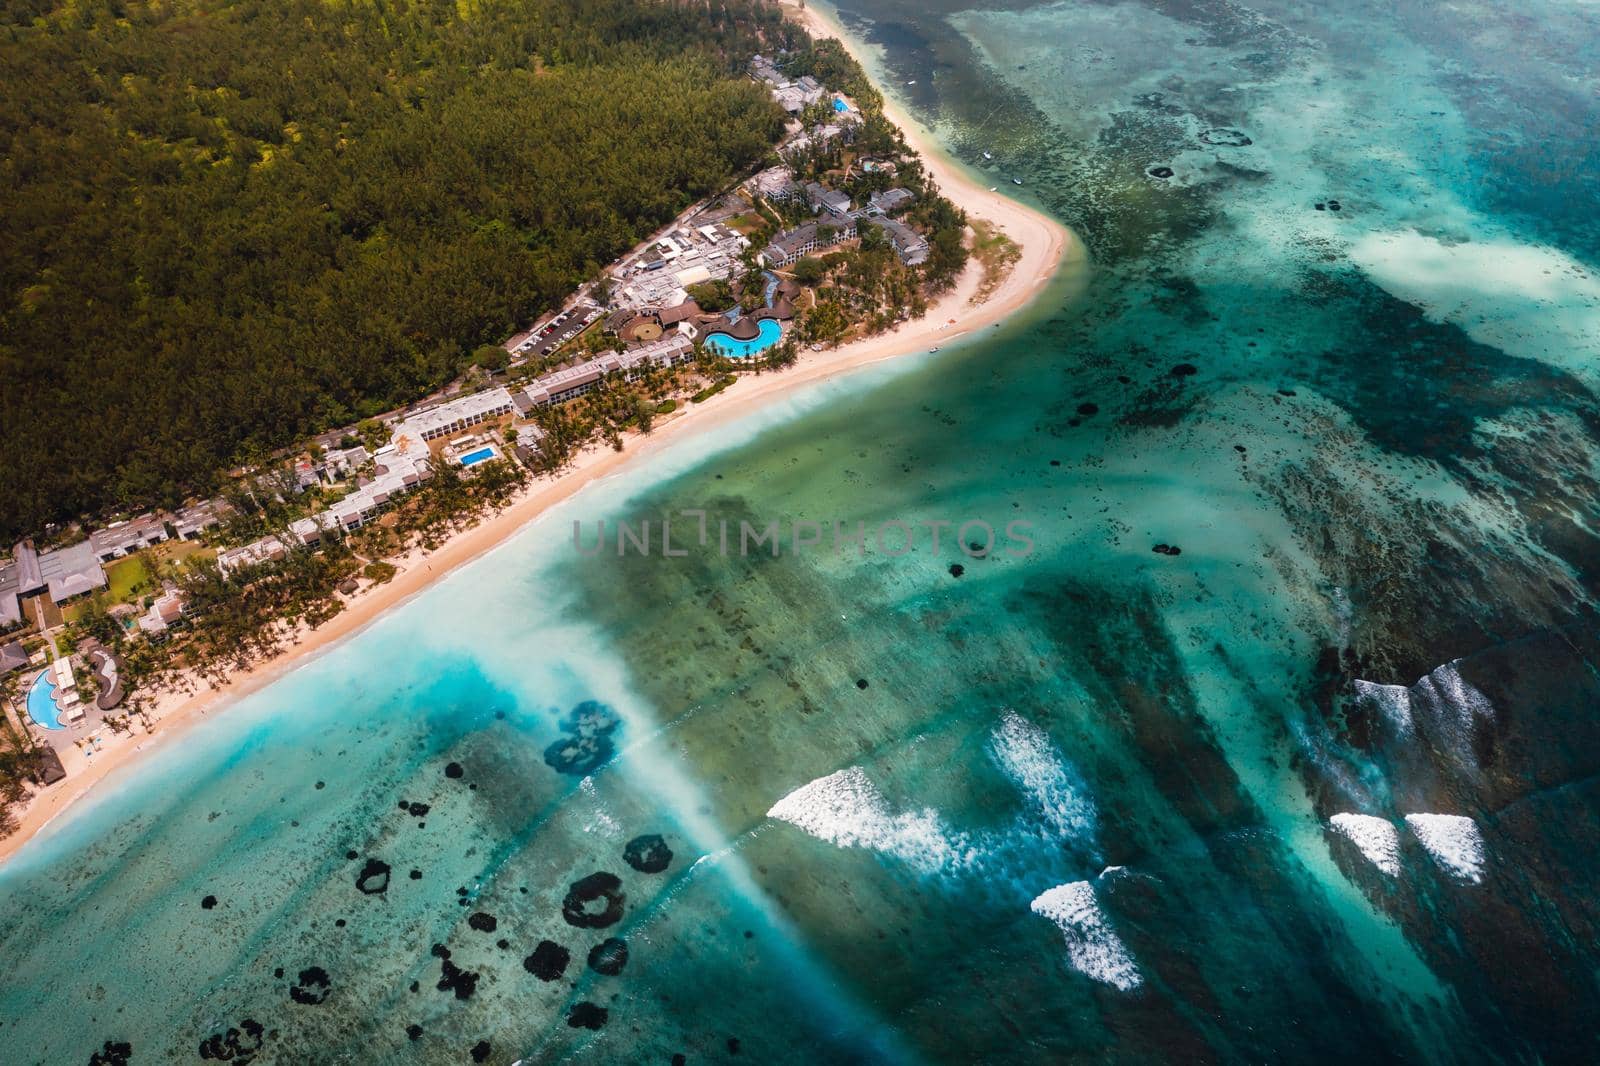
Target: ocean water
x,y
1319,785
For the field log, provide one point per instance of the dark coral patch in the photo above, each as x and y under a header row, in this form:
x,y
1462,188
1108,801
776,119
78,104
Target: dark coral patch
x,y
113,1053
418,809
413,1031
1160,172
609,956
1184,370
234,1045
579,755
1087,409
453,978
453,770
483,922
587,1015
1226,138
597,886
548,961
416,875
480,1051
373,878
861,682
591,718
956,570
207,903
312,987
680,1059
733,1045
648,854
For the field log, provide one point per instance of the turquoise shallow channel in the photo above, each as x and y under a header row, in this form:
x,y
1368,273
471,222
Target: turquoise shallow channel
x,y
1317,781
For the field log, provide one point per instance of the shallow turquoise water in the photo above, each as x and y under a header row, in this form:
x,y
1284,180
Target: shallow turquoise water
x,y
1086,805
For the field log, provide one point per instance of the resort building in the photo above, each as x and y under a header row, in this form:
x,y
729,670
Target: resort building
x,y
527,444
790,245
268,549
12,657
396,471
575,381
775,184
455,415
10,597
891,200
164,613
191,522
822,198
909,245
125,538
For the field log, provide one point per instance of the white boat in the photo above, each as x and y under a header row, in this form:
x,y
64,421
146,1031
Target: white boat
x,y
1016,181
986,155
913,81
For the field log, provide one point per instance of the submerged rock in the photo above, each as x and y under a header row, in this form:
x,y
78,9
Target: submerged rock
x,y
579,755
453,978
312,987
483,922
591,718
956,570
1160,172
112,1053
597,886
373,879
207,903
480,1051
453,770
609,956
548,961
234,1045
587,1015
648,854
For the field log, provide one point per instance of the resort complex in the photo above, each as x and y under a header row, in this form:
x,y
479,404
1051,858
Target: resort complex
x,y
830,238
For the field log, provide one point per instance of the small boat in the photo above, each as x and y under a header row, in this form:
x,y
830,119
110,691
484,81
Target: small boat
x,y
1016,181
987,155
933,349
994,188
913,81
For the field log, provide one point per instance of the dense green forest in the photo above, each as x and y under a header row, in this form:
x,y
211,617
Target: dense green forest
x,y
230,223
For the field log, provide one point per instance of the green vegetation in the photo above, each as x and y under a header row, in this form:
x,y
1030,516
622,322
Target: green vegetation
x,y
379,572
712,296
231,223
715,387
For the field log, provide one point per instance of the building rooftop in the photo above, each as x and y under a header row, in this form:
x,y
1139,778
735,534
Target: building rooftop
x,y
72,571
421,423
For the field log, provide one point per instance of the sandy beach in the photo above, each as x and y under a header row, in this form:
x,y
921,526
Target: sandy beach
x,y
1046,249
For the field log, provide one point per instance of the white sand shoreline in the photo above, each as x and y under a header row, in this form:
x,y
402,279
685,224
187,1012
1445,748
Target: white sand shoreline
x,y
1047,247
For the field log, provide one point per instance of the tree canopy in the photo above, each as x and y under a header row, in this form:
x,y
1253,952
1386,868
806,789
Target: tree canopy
x,y
231,223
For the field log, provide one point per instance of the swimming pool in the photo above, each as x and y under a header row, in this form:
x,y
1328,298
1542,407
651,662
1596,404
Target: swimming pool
x,y
477,456
839,105
768,333
42,703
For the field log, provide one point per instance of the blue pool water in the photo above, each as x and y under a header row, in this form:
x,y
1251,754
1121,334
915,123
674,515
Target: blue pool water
x,y
42,704
768,335
839,105
479,456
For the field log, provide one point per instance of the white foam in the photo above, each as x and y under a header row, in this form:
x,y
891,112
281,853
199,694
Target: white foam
x,y
1025,753
1093,948
1376,838
1453,841
1393,703
846,809
1456,704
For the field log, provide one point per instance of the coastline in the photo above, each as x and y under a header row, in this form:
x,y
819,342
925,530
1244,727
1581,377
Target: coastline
x,y
1046,246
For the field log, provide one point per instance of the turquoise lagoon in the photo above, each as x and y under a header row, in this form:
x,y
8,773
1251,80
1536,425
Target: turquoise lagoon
x,y
1316,781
